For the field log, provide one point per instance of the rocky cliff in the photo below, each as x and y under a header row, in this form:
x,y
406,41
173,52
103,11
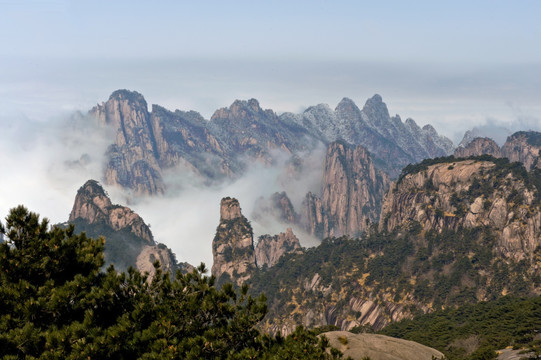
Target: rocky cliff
x,y
270,249
523,146
248,129
233,245
393,143
92,204
351,196
133,157
313,216
477,147
483,192
452,232
149,143
128,240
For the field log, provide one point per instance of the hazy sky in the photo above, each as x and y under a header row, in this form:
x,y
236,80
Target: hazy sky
x,y
454,64
449,63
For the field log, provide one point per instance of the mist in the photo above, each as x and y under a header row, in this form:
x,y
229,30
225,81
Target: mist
x,y
45,162
186,217
47,155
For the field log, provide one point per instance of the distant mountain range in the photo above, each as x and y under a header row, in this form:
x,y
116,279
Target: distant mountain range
x,y
148,143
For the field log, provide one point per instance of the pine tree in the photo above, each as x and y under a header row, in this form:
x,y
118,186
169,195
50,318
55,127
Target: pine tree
x,y
57,303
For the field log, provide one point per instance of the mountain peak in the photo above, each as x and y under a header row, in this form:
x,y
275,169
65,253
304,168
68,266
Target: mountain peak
x,y
229,209
93,206
90,203
376,105
251,104
346,101
233,245
346,105
376,98
131,96
238,110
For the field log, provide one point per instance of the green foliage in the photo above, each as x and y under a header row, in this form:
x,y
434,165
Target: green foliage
x,y
423,165
121,247
446,269
508,321
56,303
325,328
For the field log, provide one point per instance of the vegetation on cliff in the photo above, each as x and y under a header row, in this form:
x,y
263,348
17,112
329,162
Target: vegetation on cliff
x,y
404,273
476,331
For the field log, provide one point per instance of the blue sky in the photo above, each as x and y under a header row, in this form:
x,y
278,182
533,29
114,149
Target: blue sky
x,y
392,31
448,63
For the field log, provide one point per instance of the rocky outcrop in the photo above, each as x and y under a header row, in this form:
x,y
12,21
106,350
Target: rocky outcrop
x,y
278,206
133,157
523,146
233,245
351,196
128,240
150,254
317,303
477,147
469,193
92,204
270,249
352,189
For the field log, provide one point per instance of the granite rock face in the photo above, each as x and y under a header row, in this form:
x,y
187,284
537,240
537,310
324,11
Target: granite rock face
x,y
233,245
468,193
270,249
313,217
393,143
93,206
477,147
523,146
133,157
351,196
128,240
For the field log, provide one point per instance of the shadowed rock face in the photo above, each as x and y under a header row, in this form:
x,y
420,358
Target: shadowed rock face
x,y
352,193
468,193
270,249
233,244
477,147
132,158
